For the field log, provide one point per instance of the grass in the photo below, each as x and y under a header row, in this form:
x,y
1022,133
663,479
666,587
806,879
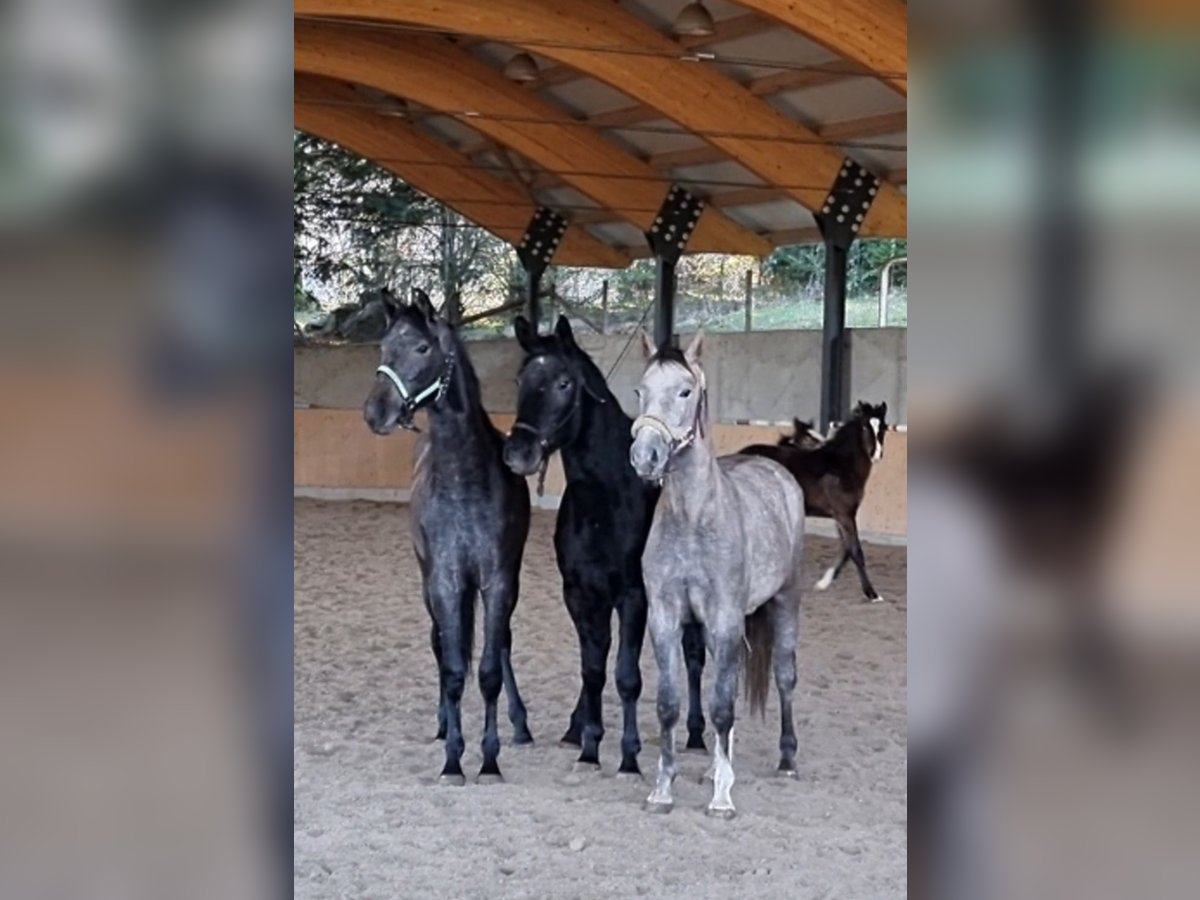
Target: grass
x,y
861,312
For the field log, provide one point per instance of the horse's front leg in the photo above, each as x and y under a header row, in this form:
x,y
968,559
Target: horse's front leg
x,y
446,602
666,635
499,601
726,647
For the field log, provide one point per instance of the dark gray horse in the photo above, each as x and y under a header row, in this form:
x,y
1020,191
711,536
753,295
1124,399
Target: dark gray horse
x,y
725,549
470,518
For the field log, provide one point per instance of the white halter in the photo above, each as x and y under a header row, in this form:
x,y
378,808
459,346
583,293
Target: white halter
x,y
435,388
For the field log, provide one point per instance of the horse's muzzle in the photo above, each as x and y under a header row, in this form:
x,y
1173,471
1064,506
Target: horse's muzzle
x,y
649,454
523,452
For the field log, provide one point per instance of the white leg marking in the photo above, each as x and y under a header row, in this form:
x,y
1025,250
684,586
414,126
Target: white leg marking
x,y
661,795
826,579
722,777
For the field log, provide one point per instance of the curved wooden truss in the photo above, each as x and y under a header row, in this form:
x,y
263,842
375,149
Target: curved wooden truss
x,y
604,41
328,110
435,73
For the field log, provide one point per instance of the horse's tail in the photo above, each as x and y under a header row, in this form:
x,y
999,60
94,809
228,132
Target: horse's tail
x,y
760,639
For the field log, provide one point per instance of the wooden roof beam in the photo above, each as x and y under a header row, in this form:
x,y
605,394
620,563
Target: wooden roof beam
x,y
766,142
726,30
323,108
415,67
871,33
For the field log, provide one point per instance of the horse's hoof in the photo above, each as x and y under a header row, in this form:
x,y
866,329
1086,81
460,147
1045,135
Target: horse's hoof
x,y
788,773
720,812
654,806
584,766
875,599
457,780
522,738
568,742
489,778
630,775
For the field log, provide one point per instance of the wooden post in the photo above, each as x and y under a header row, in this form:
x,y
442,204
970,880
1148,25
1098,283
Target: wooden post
x,y
749,300
604,307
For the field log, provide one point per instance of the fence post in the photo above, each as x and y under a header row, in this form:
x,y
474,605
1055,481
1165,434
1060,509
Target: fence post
x,y
604,306
749,300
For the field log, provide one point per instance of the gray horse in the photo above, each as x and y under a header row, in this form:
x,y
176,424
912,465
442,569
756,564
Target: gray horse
x,y
725,550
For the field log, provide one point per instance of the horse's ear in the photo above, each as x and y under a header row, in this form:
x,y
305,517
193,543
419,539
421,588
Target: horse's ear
x,y
800,425
883,411
391,305
648,348
692,353
423,304
562,328
526,336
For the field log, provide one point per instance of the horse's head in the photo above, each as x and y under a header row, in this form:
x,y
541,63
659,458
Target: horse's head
x,y
550,389
672,405
805,436
416,364
871,420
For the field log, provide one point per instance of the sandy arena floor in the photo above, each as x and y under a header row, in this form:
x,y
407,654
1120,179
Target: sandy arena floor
x,y
371,821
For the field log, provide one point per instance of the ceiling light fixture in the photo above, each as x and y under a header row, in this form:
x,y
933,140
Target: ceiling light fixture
x,y
694,21
522,68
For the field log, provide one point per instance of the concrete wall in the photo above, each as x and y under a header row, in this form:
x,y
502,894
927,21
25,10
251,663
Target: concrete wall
x,y
766,376
761,375
336,456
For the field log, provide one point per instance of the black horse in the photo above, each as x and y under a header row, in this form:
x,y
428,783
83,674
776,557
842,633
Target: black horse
x,y
834,478
470,518
563,403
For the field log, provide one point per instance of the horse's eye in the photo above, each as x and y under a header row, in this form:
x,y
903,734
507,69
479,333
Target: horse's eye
x,y
564,384
637,392
423,349
685,393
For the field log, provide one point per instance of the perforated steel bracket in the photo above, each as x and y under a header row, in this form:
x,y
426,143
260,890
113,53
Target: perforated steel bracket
x,y
541,239
850,198
674,224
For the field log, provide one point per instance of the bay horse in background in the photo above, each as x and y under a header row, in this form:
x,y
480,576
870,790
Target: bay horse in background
x,y
834,477
805,436
725,549
469,515
564,405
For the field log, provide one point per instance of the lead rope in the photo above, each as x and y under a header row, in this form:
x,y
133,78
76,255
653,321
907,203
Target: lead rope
x,y
541,488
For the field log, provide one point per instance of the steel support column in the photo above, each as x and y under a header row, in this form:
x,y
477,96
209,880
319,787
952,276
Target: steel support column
x,y
835,351
841,217
668,237
536,249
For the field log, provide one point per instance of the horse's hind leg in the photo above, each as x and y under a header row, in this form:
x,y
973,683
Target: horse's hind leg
x,y
693,657
516,706
834,571
785,624
629,676
849,531
726,662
